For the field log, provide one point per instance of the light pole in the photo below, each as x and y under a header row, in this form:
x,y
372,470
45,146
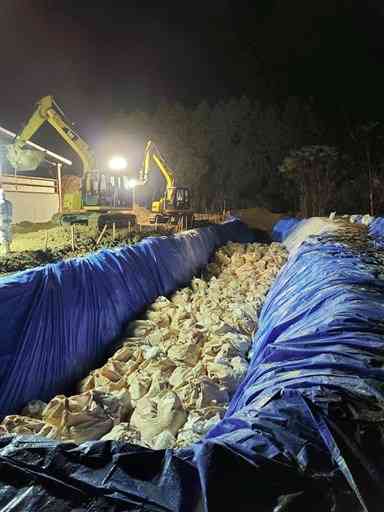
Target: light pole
x,y
59,186
132,184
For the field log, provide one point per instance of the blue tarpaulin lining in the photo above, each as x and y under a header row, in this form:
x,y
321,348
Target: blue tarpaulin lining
x,y
317,362
58,321
376,231
283,228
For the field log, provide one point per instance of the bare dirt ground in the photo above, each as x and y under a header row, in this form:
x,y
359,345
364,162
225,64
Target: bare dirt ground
x,y
36,244
259,218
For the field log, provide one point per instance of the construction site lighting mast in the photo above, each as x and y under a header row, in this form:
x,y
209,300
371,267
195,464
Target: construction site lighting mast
x,y
132,184
117,163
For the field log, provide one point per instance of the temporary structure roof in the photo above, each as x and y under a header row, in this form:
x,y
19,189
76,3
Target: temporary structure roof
x,y
49,153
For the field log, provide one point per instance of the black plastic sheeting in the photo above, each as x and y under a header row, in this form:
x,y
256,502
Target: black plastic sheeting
x,y
39,475
303,432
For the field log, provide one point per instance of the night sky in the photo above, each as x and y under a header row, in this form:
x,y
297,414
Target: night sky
x,y
101,60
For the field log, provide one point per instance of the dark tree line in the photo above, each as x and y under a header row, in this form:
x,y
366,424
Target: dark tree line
x,y
240,153
228,154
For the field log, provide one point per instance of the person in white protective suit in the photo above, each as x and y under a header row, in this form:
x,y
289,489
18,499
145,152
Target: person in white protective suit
x,y
5,223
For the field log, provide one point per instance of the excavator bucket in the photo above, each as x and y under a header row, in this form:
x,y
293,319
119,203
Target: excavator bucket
x,y
24,159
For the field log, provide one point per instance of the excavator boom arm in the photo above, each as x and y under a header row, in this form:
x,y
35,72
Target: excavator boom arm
x,y
151,152
175,204
48,111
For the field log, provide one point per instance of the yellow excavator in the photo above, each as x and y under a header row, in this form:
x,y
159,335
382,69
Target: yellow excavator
x,y
103,196
175,206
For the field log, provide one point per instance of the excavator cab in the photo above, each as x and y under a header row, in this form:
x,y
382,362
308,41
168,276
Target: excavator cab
x,y
90,189
104,190
178,199
174,207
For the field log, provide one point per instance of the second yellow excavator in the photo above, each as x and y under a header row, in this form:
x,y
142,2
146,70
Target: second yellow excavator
x,y
175,206
104,196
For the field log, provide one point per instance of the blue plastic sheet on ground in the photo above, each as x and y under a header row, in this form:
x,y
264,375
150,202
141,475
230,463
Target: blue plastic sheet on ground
x,y
58,321
283,228
376,231
303,432
313,398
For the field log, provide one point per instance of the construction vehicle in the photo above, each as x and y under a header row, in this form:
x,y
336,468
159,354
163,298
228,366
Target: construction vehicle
x,y
103,197
175,206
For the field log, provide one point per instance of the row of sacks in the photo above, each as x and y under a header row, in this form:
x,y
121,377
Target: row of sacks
x,y
375,227
176,370
361,219
353,219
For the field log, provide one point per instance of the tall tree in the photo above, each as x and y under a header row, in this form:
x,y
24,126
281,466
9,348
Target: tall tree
x,y
228,154
314,169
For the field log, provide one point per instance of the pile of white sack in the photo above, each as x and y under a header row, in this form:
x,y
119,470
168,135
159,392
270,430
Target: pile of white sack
x,y
176,370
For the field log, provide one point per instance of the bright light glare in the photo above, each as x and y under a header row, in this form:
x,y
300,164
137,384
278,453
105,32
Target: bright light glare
x,y
117,163
132,183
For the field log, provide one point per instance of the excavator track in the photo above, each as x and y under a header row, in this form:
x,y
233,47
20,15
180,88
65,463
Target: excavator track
x,y
98,219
